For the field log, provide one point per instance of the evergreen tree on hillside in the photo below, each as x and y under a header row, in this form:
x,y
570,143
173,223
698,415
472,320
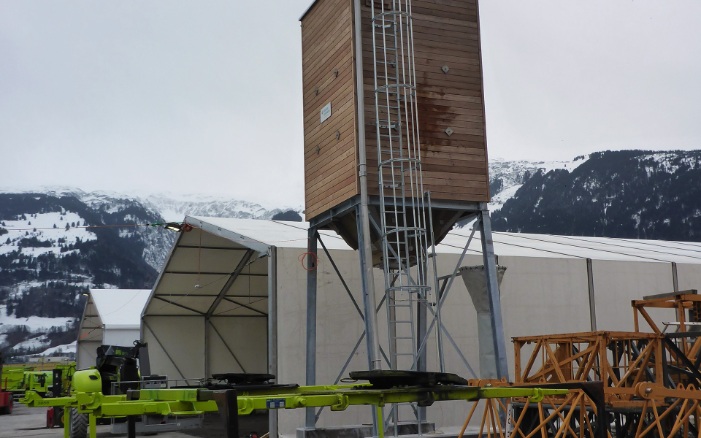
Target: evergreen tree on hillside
x,y
631,194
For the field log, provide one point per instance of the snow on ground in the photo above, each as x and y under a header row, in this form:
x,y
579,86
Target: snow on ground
x,y
36,343
547,166
33,323
668,162
45,227
500,198
511,174
19,288
61,349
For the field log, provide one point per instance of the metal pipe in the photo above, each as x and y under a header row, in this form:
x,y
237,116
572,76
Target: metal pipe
x,y
592,302
364,244
311,319
493,291
272,334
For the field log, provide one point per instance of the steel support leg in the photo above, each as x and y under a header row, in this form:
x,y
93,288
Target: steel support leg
x,y
310,420
490,270
272,331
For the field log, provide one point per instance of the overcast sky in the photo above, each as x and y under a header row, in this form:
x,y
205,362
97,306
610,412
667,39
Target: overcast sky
x,y
205,96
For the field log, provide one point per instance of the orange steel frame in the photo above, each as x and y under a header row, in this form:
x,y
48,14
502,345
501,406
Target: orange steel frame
x,y
652,382
568,416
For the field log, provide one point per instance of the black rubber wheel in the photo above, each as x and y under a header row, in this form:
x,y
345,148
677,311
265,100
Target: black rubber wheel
x,y
58,417
79,425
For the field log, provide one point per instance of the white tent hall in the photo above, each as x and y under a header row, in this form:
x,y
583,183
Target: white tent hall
x,y
232,298
111,317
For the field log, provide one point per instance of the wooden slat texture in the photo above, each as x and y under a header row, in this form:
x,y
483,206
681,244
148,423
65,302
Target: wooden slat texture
x,y
329,147
446,33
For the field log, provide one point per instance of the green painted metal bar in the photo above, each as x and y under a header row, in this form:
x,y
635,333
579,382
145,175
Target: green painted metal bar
x,y
196,401
337,397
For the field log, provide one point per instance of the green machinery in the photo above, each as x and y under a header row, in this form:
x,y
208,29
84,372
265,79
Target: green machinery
x,y
421,388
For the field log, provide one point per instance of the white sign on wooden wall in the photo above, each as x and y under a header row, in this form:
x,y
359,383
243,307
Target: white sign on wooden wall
x,y
325,112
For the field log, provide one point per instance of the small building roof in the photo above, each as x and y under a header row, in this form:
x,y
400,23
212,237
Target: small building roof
x,y
117,308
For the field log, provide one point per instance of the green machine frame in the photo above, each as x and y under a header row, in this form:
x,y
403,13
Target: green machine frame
x,y
233,402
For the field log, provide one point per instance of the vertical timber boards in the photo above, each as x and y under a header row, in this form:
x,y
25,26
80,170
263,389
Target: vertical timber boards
x,y
446,33
330,151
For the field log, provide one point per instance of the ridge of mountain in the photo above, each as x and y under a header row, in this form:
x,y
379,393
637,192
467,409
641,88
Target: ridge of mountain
x,y
57,242
507,176
625,194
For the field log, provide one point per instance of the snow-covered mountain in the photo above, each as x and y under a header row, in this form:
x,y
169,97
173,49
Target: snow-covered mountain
x,y
175,208
55,243
624,194
506,177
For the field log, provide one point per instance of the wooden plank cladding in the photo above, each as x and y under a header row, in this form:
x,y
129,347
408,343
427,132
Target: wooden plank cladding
x,y
449,99
330,159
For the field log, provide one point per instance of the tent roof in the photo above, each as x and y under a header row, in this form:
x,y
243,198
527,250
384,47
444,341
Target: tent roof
x,y
595,248
118,308
294,235
220,267
261,234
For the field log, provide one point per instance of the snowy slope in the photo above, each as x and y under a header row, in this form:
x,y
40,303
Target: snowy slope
x,y
511,175
176,207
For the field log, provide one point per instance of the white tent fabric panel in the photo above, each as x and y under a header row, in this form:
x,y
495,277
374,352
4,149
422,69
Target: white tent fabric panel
x,y
108,316
254,233
338,321
544,296
219,272
459,318
86,354
689,276
124,337
119,307
174,305
243,305
237,345
617,283
90,324
339,327
176,345
209,259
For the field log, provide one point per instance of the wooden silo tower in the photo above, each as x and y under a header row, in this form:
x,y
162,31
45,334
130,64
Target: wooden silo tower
x,y
450,110
364,90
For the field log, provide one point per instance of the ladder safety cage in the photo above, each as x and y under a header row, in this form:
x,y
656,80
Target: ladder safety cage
x,y
404,206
